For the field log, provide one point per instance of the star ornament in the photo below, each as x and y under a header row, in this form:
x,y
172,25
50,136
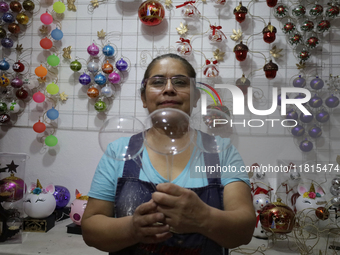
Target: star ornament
x,y
19,48
67,52
236,35
43,30
219,55
63,96
12,167
71,6
301,65
182,29
42,79
275,52
94,3
101,34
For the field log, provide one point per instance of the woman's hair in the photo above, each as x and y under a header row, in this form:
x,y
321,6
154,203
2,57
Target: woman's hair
x,y
191,71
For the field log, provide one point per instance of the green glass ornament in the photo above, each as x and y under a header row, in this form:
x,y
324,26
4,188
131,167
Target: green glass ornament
x,y
3,106
75,65
53,60
28,5
51,141
100,106
52,88
59,7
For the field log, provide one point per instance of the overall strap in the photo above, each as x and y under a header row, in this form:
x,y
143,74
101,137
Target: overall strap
x,y
131,168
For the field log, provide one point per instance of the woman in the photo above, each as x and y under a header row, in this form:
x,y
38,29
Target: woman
x,y
203,218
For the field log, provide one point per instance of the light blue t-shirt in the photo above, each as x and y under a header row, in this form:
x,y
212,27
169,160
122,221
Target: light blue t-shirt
x,y
194,175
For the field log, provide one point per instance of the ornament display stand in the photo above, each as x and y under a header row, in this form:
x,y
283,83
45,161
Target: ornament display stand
x,y
39,225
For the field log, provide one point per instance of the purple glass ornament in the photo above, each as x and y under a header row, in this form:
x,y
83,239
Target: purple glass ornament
x,y
315,131
8,17
114,78
306,118
17,83
332,101
299,82
298,130
4,7
84,79
315,101
93,50
62,196
13,184
7,43
316,83
292,115
306,146
279,99
301,96
122,65
322,116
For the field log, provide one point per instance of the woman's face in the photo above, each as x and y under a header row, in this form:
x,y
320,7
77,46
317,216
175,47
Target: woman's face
x,y
168,96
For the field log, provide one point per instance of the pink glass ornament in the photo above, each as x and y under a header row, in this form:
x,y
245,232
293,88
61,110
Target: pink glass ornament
x,y
38,97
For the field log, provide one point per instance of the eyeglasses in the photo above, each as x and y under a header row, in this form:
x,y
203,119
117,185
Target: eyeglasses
x,y
159,82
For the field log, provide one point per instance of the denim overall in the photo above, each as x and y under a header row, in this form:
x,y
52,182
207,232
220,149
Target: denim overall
x,y
131,192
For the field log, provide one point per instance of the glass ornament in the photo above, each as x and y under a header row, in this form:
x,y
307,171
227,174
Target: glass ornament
x,y
46,18
59,7
2,33
312,42
22,19
335,201
241,51
15,6
216,34
210,69
332,101
8,17
316,10
315,101
107,91
270,70
57,34
322,116
122,65
75,65
184,47
62,196
7,43
151,13
14,28
304,55
114,78
323,26
52,88
281,11
40,71
93,50
16,187
288,28
100,106
3,106
85,79
100,79
38,97
332,11
46,43
299,82
18,67
298,130
108,50
335,191
13,107
243,83
107,67
39,127
190,11
240,13
271,3
51,141
219,2
336,182
28,5
52,114
322,213
315,131
4,65
53,60
299,11
17,83
269,33
92,92
21,94
93,67
4,118
4,81
292,115
306,118
301,96
307,26
306,146
317,83
4,7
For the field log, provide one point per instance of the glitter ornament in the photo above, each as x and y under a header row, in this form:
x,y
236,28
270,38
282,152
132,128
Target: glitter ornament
x,y
292,115
270,70
28,5
17,83
315,101
46,18
307,26
21,94
92,92
332,11
332,101
271,3
40,71
2,33
304,55
316,10
100,79
298,130
100,106
85,79
8,17
107,67
3,106
323,26
306,118
243,83
38,97
22,18
93,50
4,118
317,83
18,67
269,33
39,127
4,81
57,34
4,7
299,11
75,65
107,91
151,13
299,82
114,78
241,51
210,69
216,34
184,47
4,65
288,28
312,42
122,65
306,146
46,43
240,13
108,50
14,28
322,116
13,107
52,114
315,131
7,43
93,67
281,11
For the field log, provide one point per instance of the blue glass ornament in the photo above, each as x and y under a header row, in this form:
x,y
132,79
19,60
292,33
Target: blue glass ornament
x,y
122,65
306,146
84,79
108,50
315,101
4,65
322,116
298,130
299,82
292,115
7,43
332,101
317,83
8,17
52,114
57,34
100,79
306,118
315,131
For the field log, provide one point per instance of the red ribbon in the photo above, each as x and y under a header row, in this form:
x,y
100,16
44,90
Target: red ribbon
x,y
207,62
214,28
185,3
184,40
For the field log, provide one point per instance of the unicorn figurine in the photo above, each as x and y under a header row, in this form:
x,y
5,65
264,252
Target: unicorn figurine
x,y
78,207
311,198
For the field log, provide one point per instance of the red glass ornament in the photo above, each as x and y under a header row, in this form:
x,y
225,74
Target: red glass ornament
x,y
39,127
46,43
21,94
151,13
271,3
18,67
15,6
270,70
14,28
269,33
241,51
240,13
322,213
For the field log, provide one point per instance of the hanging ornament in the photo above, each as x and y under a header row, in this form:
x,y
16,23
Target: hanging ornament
x,y
240,13
219,2
292,115
270,70
306,118
59,7
243,83
46,18
93,50
4,7
299,11
4,81
92,92
307,26
271,3
52,88
15,6
3,106
51,141
322,213
323,25
52,114
322,116
2,33
281,11
100,79
332,101
7,43
18,67
107,91
14,28
75,65
46,43
85,79
40,71
315,131
38,97
306,145
288,28
4,65
53,60
299,82
107,67
151,13
184,47
317,83
8,17
298,130
269,33
315,101
108,50
211,70
301,96
93,66
17,83
13,107
304,55
39,127
100,106
122,65
4,118
28,5
316,10
190,10
57,34
332,11
241,51
312,42
21,94
22,18
114,78
216,34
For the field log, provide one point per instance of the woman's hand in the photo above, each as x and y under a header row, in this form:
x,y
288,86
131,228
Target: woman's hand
x,y
147,224
184,211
